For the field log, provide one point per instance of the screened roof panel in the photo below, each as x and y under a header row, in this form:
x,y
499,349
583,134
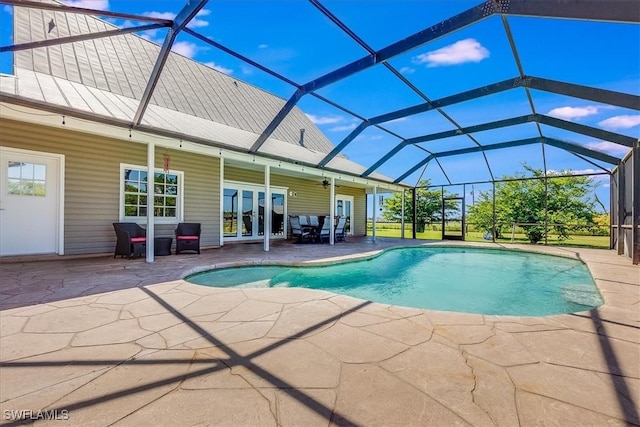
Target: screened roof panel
x,y
599,115
419,124
285,36
433,172
577,51
448,144
508,161
406,158
372,21
608,147
474,56
465,168
371,145
360,94
560,160
510,133
490,108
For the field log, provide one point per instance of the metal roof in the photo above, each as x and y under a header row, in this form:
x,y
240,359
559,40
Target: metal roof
x,y
89,64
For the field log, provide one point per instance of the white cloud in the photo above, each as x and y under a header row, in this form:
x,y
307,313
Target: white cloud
x,y
247,71
263,46
352,126
8,9
89,4
319,120
467,50
194,23
407,70
187,49
199,23
217,67
570,113
398,120
621,122
608,147
160,15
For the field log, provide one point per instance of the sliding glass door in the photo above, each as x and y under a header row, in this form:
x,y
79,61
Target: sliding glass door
x,y
244,215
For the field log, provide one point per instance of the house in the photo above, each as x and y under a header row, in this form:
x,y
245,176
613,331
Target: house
x,y
75,159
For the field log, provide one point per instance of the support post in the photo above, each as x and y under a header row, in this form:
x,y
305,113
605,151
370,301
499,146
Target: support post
x,y
151,155
415,213
221,241
266,215
332,212
546,197
373,229
402,217
635,197
621,208
612,220
494,228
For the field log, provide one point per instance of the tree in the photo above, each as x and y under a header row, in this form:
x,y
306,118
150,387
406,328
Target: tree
x,y
523,202
429,206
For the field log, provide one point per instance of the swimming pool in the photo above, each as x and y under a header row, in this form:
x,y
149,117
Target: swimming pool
x,y
472,280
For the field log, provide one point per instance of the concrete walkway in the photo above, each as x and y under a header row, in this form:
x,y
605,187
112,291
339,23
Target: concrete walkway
x,y
117,342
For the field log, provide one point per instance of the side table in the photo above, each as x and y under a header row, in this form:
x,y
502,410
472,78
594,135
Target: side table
x,y
162,245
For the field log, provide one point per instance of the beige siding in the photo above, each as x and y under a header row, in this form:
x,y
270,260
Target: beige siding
x,y
92,179
311,197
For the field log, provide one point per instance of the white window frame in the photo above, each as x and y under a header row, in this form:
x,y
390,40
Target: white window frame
x,y
158,219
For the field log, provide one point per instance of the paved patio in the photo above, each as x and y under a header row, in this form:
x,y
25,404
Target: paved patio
x,y
103,341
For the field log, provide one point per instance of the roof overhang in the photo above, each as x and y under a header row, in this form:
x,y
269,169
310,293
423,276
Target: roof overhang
x,y
26,110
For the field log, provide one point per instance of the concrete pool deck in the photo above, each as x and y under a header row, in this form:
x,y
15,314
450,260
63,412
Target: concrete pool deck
x,y
103,341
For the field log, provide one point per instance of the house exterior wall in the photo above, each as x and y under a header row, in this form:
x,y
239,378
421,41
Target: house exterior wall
x,y
92,183
310,199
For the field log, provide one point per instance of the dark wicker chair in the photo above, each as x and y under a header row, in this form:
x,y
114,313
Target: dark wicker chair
x,y
132,239
188,237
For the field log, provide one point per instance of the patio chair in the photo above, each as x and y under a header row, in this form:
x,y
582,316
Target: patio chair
x,y
325,231
340,229
188,237
131,239
297,230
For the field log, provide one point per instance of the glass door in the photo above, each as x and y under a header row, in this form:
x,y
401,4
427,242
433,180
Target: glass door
x,y
244,215
344,207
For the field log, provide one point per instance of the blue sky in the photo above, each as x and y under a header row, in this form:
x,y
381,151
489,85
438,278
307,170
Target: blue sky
x,y
294,39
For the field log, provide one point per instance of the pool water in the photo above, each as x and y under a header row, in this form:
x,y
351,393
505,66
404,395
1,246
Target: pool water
x,y
472,280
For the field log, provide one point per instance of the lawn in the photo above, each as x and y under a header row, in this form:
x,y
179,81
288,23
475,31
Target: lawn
x,y
601,242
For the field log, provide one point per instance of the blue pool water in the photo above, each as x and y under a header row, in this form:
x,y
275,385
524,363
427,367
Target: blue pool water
x,y
468,280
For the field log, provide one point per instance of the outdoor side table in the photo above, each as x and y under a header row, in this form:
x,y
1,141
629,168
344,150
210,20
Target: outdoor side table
x,y
162,246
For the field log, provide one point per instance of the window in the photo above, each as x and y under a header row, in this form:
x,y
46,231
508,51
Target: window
x,y
26,179
167,193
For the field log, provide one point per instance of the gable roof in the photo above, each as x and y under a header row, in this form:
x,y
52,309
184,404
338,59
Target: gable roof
x,y
106,78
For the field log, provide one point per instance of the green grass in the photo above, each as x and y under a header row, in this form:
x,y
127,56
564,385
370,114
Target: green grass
x,y
601,242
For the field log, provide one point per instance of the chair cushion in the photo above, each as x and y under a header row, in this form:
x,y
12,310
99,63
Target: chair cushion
x,y
138,239
187,237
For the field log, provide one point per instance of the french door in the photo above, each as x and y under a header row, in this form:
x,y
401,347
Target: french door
x,y
244,212
344,207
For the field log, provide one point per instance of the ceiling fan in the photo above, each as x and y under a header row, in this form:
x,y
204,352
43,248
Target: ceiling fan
x,y
326,184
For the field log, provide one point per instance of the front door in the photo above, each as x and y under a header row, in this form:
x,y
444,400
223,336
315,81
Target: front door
x,y
29,202
344,207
